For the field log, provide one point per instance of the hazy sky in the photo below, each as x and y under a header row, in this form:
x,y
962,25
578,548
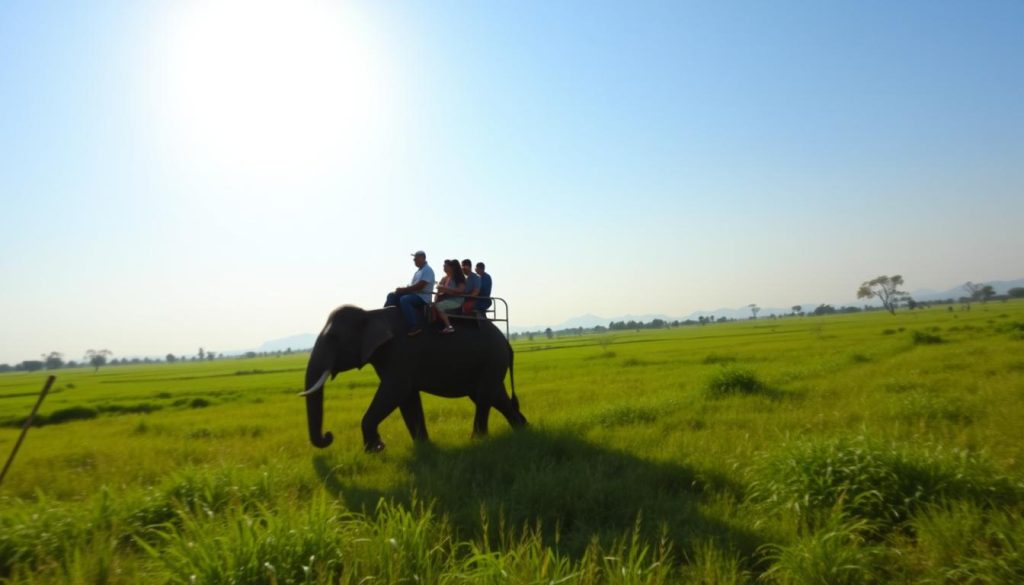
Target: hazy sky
x,y
184,174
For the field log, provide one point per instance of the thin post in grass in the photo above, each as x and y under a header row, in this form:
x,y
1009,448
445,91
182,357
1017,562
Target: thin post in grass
x,y
24,427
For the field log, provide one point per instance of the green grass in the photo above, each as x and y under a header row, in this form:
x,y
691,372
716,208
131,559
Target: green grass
x,y
863,448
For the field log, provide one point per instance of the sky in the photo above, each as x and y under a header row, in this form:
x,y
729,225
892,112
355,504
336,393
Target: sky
x,y
177,175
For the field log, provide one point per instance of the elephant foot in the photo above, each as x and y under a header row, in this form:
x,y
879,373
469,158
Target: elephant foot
x,y
374,447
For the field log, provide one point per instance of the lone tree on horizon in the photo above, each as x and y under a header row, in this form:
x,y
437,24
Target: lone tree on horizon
x,y
97,358
886,288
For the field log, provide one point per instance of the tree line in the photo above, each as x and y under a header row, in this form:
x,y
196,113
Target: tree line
x,y
884,288
103,357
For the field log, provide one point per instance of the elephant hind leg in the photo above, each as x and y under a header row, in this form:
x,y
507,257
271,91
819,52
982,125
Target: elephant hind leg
x,y
412,414
508,408
483,412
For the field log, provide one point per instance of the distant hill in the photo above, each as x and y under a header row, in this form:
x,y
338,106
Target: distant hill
x,y
590,321
294,342
1000,286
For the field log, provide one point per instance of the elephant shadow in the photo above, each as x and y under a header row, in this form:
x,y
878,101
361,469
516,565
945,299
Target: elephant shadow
x,y
571,490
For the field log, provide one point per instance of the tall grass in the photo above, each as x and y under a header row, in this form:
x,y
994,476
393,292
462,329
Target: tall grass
x,y
669,460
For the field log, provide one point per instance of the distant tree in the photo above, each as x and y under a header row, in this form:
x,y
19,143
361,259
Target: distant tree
x,y
549,333
754,309
54,360
97,358
171,358
986,293
973,293
797,309
824,310
31,365
529,335
202,354
211,356
886,289
1016,293
5,368
911,303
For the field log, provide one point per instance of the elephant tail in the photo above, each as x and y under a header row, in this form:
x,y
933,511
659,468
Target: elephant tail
x,y
512,377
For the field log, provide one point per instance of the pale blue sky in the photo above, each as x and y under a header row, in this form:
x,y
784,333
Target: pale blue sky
x,y
185,174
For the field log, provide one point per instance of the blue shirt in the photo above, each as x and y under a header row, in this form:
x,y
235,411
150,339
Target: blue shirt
x,y
472,284
485,291
425,273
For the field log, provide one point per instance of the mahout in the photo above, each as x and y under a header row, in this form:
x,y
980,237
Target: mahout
x,y
470,363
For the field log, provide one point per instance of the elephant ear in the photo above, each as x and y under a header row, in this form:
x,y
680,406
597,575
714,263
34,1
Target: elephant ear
x,y
376,333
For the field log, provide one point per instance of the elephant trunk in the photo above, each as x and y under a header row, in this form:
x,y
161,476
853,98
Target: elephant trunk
x,y
315,378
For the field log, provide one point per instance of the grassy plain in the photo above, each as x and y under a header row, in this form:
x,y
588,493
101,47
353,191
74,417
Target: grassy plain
x,y
844,449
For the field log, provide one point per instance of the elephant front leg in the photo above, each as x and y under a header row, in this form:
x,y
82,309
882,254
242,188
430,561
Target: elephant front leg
x,y
412,414
385,401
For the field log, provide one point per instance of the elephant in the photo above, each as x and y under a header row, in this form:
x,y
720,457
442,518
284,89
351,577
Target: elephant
x,y
470,362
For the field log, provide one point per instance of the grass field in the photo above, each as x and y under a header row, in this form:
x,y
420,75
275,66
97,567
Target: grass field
x,y
862,448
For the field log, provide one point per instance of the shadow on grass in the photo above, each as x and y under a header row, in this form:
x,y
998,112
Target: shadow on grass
x,y
572,490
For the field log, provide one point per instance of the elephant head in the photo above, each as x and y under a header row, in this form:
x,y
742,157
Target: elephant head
x,y
347,341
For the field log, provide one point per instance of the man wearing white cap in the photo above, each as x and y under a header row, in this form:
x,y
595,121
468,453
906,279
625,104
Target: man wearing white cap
x,y
411,299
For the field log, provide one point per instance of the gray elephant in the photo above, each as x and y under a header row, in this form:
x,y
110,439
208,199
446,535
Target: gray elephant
x,y
470,362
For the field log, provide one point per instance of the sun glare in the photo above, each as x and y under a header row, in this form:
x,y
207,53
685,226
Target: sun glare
x,y
279,88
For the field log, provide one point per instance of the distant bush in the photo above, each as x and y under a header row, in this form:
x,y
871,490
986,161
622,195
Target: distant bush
x,y
888,332
962,544
70,414
841,553
924,338
729,380
859,358
144,407
714,358
199,403
626,415
871,480
1015,329
634,362
918,406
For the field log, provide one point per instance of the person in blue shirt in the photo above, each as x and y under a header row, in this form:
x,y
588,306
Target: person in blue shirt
x,y
485,288
472,280
411,299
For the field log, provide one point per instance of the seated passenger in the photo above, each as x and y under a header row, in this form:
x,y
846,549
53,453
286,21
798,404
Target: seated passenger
x,y
413,297
450,292
483,303
472,287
